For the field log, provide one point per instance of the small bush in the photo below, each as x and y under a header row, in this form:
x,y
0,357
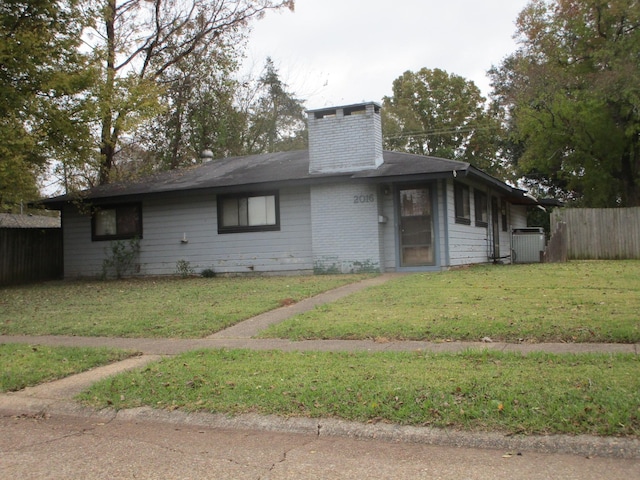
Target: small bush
x,y
183,267
208,273
121,257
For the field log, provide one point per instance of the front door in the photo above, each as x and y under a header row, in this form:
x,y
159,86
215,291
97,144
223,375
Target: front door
x,y
416,227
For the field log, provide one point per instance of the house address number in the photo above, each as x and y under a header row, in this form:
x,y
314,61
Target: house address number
x,y
370,198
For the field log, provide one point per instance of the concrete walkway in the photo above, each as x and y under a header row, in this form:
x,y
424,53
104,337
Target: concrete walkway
x,y
166,346
55,398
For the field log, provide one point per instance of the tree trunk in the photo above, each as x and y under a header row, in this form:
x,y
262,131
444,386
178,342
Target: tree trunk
x,y
108,136
184,90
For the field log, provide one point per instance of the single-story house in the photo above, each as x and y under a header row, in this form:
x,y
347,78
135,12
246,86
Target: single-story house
x,y
343,205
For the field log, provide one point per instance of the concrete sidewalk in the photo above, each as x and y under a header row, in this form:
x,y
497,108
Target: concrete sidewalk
x,y
55,399
169,346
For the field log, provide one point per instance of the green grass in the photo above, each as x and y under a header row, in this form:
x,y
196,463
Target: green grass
x,y
593,301
475,390
27,365
158,307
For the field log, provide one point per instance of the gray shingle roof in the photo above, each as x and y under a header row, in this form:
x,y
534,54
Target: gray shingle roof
x,y
282,168
11,220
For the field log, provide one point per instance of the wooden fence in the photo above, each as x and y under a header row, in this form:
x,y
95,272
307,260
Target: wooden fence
x,y
30,255
594,233
556,250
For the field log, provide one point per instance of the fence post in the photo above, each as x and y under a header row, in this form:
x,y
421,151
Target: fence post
x,y
556,250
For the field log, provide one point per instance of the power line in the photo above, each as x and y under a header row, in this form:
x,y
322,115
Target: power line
x,y
432,133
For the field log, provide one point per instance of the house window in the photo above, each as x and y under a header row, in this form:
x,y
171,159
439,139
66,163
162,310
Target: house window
x,y
463,210
117,222
248,213
481,208
503,214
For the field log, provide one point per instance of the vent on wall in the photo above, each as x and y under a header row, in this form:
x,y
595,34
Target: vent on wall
x,y
324,114
346,111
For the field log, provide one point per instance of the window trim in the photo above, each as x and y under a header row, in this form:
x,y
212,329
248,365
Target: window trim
x,y
460,188
117,236
481,207
248,228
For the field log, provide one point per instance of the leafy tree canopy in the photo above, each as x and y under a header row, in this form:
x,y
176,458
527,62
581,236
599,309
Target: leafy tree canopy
x,y
198,113
432,112
208,110
572,98
42,77
275,118
101,91
143,44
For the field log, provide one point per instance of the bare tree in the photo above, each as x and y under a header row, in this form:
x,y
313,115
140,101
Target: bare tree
x,y
140,41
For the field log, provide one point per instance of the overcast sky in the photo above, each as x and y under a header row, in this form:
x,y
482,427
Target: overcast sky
x,y
339,52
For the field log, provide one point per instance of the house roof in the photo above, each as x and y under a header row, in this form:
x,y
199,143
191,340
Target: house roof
x,y
11,220
260,171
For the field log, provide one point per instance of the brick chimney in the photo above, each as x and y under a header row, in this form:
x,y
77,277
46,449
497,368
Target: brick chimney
x,y
345,139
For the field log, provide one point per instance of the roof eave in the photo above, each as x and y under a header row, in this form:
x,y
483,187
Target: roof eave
x,y
60,201
515,195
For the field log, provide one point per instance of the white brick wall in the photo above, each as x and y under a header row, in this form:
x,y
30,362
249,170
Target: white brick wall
x,y
344,228
345,142
346,235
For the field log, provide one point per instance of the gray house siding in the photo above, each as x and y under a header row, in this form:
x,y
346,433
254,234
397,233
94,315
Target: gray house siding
x,y
167,220
470,244
456,244
517,217
338,227
467,243
285,251
170,219
442,226
82,257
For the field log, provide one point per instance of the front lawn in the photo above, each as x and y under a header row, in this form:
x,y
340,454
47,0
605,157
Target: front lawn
x,y
158,307
476,390
590,301
27,365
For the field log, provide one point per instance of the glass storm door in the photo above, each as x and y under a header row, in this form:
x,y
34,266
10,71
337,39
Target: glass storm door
x,y
416,227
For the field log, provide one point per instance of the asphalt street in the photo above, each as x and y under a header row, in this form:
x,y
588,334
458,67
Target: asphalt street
x,y
74,447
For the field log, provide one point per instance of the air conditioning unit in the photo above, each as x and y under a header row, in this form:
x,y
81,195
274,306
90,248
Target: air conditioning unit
x,y
527,245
